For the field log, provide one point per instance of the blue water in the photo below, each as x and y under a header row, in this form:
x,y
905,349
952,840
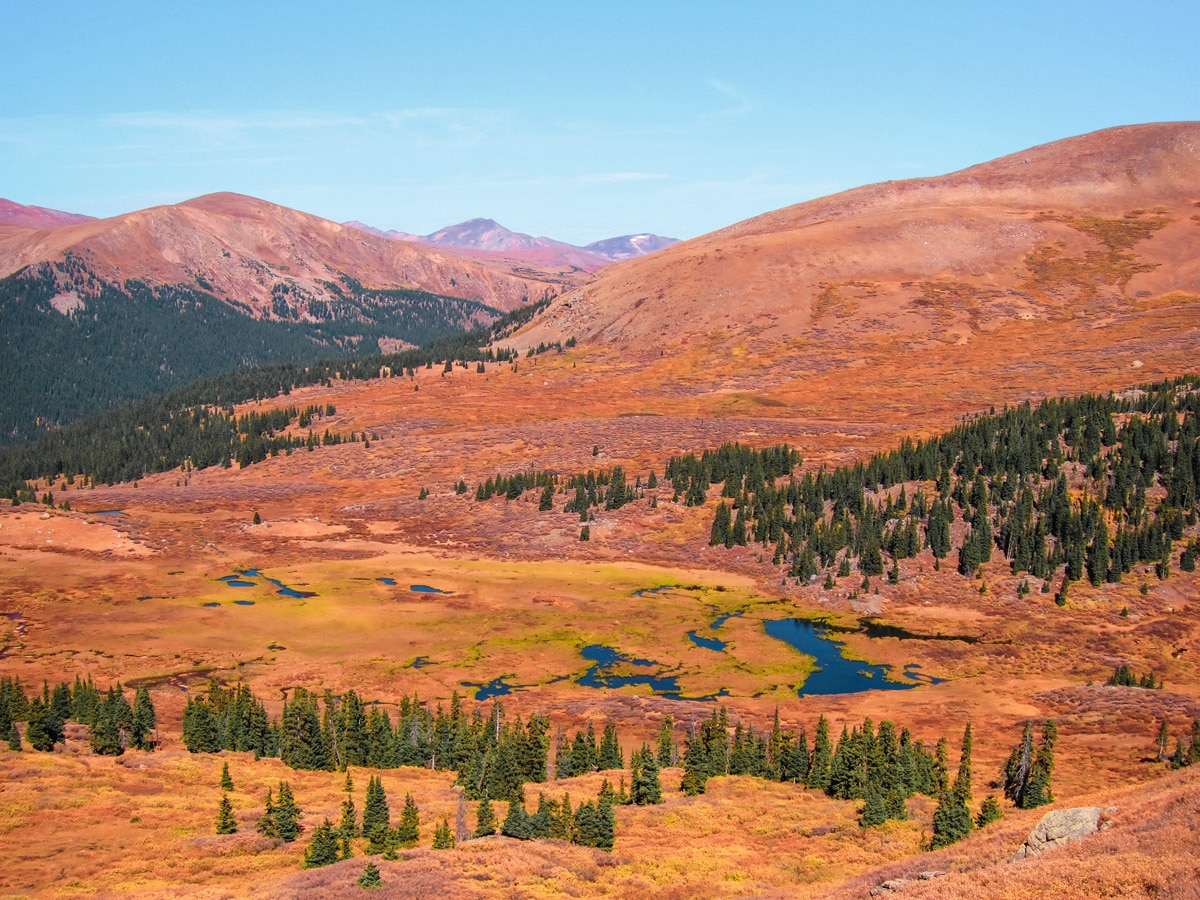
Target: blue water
x,y
494,688
426,589
108,512
707,643
286,591
390,582
834,674
661,683
214,603
723,618
243,602
239,580
420,663
658,590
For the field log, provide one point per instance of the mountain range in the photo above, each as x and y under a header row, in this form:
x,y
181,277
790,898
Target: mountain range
x,y
485,238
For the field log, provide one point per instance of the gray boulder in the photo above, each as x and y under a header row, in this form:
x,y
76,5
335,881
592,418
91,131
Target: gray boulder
x,y
1061,826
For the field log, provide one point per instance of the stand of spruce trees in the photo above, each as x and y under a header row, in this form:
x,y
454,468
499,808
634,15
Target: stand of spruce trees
x,y
113,724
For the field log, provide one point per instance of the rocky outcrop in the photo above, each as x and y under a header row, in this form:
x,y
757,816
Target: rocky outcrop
x,y
1062,826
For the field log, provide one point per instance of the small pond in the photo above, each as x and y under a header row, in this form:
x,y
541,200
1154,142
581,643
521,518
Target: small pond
x,y
833,672
426,589
243,602
600,675
494,688
390,582
240,581
707,643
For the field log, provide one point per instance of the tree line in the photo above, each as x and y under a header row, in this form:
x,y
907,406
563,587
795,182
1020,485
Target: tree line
x,y
190,427
114,725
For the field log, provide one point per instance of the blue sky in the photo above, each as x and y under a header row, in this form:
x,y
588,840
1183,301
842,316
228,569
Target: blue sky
x,y
576,121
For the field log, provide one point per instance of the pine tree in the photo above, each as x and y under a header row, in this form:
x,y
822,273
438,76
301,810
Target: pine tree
x,y
442,838
348,824
951,821
666,743
14,737
323,850
267,826
226,823
606,825
989,812
287,814
38,731
1164,735
376,821
822,757
226,781
370,877
962,781
408,831
516,822
873,811
645,787
145,720
485,822
610,755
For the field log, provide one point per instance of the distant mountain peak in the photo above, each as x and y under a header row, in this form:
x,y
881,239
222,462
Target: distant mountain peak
x,y
40,217
484,235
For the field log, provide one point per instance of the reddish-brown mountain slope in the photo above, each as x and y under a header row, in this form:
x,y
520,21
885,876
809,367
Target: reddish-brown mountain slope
x,y
1097,226
242,248
37,216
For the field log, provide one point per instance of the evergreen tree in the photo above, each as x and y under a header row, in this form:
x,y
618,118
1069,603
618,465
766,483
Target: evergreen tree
x,y
226,781
666,743
485,823
610,755
370,877
376,821
226,823
989,812
516,822
962,781
951,821
38,731
722,527
1037,792
1026,775
323,850
442,838
873,811
822,756
606,825
287,814
267,826
145,720
1164,735
645,786
348,824
14,737
408,831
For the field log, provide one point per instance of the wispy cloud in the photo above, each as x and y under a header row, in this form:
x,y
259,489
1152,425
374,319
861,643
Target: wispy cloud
x,y
742,102
620,177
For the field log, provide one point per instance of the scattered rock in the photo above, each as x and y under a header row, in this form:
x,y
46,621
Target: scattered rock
x,y
895,885
1062,826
